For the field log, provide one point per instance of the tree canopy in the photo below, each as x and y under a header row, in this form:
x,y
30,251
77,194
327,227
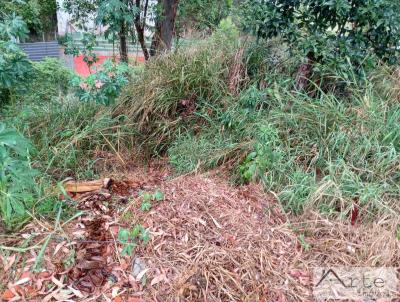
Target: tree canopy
x,y
329,30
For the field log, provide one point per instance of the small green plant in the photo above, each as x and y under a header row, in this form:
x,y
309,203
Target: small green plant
x,y
303,243
264,158
158,195
103,86
131,238
17,185
147,198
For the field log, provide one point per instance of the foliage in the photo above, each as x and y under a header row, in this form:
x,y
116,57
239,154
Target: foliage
x,y
329,31
148,198
202,14
17,186
131,238
86,49
14,70
39,15
259,163
48,79
76,132
116,14
327,150
103,86
14,66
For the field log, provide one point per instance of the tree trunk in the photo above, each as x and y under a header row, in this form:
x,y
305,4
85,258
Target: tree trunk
x,y
140,26
165,27
123,47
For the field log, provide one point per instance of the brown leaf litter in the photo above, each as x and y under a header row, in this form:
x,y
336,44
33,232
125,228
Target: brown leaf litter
x,y
209,241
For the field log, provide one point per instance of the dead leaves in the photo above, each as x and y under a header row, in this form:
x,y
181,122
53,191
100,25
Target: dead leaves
x,y
31,286
92,266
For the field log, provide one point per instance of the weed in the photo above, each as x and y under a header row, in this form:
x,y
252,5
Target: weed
x,y
328,150
163,97
145,206
148,198
17,185
131,238
304,244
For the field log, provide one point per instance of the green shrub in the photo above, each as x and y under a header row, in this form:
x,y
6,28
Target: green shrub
x,y
14,65
103,86
49,79
17,185
331,32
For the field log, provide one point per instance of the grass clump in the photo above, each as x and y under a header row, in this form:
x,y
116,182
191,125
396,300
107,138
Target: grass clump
x,y
162,97
66,134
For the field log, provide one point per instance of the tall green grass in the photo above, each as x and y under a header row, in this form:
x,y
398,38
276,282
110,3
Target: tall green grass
x,y
66,134
160,99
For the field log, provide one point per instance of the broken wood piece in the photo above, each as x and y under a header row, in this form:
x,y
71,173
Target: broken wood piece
x,y
86,186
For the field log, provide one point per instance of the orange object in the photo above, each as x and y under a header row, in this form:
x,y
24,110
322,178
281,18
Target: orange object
x,y
8,294
117,299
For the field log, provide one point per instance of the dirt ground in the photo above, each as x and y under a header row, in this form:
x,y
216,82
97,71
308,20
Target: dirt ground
x,y
200,239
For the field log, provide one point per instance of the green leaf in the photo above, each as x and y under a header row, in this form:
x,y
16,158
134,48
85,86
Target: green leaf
x,y
123,234
146,206
158,195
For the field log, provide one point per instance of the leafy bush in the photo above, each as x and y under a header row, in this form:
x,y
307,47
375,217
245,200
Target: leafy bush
x,y
48,80
14,65
103,86
17,186
329,31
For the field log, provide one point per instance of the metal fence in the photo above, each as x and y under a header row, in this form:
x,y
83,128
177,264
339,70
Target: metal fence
x,y
37,51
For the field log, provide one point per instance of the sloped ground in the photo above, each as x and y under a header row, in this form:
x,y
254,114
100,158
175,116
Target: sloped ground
x,y
209,241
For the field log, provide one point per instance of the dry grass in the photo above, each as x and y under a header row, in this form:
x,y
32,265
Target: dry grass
x,y
209,242
218,243
338,243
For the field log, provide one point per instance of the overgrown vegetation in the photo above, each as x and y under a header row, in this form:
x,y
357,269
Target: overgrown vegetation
x,y
234,102
299,110
333,147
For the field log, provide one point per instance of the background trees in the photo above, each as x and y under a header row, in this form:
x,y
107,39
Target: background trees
x,y
39,15
129,19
